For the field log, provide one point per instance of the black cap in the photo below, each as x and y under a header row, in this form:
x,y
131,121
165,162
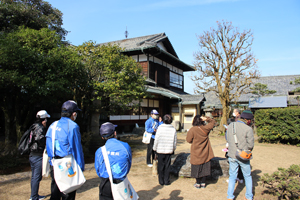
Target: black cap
x,y
247,114
107,129
70,106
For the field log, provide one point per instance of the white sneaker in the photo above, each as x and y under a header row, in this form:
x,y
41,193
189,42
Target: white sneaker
x,y
149,165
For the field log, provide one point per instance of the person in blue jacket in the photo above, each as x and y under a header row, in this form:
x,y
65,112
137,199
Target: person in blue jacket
x,y
151,126
67,141
119,155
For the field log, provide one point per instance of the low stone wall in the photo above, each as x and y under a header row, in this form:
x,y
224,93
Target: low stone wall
x,y
181,166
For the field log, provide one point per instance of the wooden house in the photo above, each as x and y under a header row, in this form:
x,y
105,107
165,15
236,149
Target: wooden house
x,y
165,82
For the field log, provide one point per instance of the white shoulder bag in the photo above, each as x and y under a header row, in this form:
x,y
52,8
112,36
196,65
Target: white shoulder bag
x,y
146,137
67,173
120,191
46,164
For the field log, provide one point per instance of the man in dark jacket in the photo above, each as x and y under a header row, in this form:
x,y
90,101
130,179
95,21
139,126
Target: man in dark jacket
x,y
36,152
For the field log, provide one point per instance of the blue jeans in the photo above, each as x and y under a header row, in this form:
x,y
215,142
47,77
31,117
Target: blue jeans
x,y
36,163
233,171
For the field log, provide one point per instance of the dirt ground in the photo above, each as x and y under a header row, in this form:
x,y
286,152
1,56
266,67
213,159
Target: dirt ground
x,y
267,158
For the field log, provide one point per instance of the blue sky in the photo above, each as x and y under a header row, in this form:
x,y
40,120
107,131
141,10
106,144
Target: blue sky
x,y
275,24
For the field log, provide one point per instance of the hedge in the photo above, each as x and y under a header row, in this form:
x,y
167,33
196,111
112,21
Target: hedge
x,y
278,125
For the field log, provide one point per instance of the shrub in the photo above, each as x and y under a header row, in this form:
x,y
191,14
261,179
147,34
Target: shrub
x,y
278,125
284,183
9,161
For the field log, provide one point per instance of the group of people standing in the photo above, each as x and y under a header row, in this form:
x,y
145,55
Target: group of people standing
x,y
161,147
67,141
163,144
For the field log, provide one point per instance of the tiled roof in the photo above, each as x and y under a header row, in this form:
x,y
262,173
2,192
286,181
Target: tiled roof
x,y
211,100
151,43
143,42
189,99
281,84
163,91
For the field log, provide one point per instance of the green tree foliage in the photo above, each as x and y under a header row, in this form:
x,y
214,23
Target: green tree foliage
x,y
36,69
297,90
114,78
225,64
261,89
34,14
284,183
278,125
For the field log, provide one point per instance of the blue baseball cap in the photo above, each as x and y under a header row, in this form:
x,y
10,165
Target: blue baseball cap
x,y
107,129
70,106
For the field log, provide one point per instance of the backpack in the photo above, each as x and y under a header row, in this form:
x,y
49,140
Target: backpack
x,y
25,142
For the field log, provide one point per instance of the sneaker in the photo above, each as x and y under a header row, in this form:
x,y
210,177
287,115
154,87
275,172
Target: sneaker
x,y
150,165
40,197
227,180
225,150
196,185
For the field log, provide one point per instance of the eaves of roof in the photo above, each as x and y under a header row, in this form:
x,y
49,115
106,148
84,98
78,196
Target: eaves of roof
x,y
190,102
163,92
159,53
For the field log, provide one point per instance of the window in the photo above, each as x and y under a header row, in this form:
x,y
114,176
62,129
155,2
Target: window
x,y
175,110
175,80
189,118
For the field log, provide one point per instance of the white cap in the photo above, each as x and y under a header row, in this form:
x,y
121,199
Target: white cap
x,y
42,114
154,112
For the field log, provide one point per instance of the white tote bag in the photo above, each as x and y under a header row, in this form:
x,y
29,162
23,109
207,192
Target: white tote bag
x,y
67,173
146,137
46,164
120,191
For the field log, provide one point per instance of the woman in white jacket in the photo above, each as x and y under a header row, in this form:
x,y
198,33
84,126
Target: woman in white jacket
x,y
165,145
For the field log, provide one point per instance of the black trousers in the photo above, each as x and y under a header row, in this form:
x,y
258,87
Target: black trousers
x,y
201,180
163,168
55,192
150,152
105,189
240,174
105,192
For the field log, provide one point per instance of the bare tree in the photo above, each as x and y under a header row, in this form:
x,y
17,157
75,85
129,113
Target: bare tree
x,y
225,64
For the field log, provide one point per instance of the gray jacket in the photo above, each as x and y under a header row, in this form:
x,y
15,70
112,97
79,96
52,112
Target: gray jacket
x,y
245,138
